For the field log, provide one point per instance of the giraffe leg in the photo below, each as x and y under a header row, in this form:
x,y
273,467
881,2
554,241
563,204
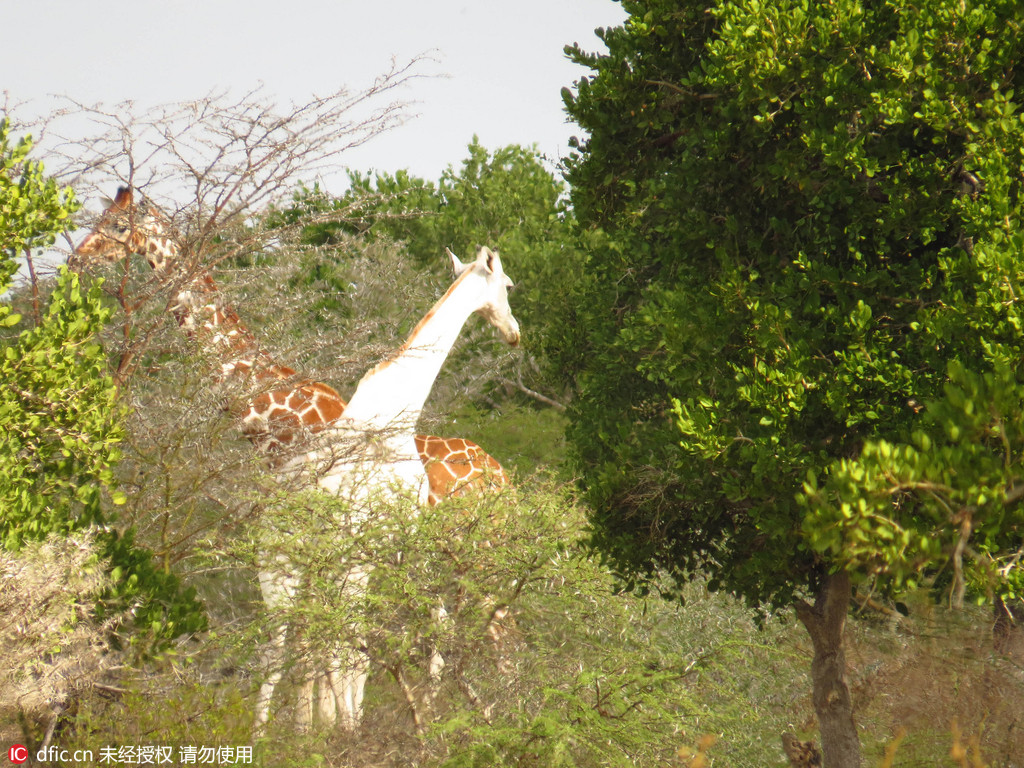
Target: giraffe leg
x,y
436,664
348,681
304,710
274,661
349,667
327,700
496,631
278,590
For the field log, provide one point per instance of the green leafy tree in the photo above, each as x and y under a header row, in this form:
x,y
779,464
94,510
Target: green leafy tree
x,y
58,407
59,413
797,358
502,199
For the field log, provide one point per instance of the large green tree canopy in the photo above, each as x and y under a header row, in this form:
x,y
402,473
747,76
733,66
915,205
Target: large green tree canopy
x,y
799,344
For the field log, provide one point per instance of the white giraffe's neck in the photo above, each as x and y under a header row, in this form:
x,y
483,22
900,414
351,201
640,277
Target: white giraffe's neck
x,y
391,395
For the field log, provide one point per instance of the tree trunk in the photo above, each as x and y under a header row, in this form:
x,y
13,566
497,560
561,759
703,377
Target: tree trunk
x,y
825,622
1008,628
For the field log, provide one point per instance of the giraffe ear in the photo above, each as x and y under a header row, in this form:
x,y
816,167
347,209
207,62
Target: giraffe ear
x,y
488,259
457,266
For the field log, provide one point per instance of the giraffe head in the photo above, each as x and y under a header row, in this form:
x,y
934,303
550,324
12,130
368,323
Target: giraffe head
x,y
494,288
128,226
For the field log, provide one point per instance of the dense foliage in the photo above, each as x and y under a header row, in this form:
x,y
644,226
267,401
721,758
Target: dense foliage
x,y
57,406
544,665
799,344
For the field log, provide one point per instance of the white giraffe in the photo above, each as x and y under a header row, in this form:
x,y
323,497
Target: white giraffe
x,y
369,455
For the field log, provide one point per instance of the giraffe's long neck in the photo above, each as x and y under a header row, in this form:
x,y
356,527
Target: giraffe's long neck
x,y
392,395
201,312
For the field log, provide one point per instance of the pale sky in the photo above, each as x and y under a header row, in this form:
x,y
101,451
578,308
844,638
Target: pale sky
x,y
504,60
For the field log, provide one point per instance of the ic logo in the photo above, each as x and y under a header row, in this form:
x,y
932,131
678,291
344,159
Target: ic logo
x,y
18,753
